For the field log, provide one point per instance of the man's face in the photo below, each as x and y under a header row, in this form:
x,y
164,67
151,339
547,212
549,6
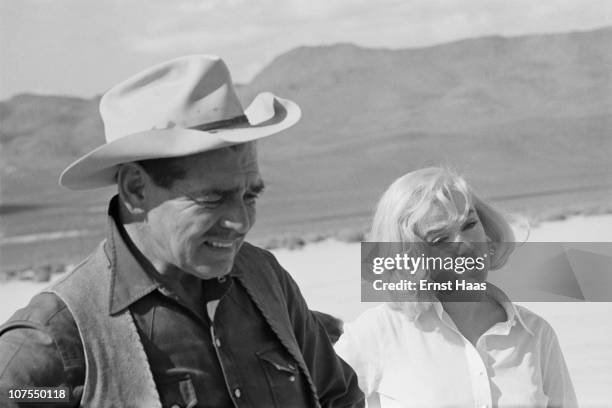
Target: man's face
x,y
198,225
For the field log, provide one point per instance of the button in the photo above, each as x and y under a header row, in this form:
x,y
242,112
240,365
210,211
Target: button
x,y
481,373
292,378
237,393
175,406
217,342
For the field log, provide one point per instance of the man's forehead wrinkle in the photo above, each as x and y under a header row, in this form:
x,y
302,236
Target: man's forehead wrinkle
x,y
220,165
220,182
226,189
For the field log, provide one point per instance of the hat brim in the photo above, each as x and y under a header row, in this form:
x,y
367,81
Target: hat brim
x,y
267,115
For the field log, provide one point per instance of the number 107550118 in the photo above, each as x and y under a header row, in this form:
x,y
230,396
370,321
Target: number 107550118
x,y
38,394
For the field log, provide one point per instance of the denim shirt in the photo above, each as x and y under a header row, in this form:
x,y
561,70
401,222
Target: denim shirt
x,y
41,344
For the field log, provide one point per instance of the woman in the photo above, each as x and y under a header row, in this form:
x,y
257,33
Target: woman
x,y
481,351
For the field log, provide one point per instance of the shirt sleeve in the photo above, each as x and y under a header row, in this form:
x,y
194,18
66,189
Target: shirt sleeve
x,y
334,379
359,347
33,355
557,382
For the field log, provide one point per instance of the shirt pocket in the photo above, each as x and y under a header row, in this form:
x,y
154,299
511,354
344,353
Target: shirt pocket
x,y
177,392
283,377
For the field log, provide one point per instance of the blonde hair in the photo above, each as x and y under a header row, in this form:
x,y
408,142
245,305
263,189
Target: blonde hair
x,y
409,198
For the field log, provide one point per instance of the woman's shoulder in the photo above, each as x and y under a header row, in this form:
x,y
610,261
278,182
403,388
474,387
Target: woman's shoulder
x,y
532,321
381,321
380,316
365,338
377,316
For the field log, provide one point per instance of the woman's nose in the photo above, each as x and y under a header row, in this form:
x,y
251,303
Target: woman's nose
x,y
463,245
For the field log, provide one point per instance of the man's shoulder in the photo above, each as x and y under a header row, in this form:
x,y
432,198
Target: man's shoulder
x,y
255,263
248,249
46,319
44,324
82,274
41,309
40,345
45,311
254,256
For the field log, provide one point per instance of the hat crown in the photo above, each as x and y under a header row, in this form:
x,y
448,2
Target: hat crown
x,y
174,109
185,92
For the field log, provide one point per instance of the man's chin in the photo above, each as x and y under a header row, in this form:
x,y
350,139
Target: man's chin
x,y
211,271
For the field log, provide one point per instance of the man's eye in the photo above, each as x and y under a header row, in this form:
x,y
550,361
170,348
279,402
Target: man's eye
x,y
251,198
208,202
209,205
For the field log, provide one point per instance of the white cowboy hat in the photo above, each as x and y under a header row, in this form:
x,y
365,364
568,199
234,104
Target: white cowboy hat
x,y
184,106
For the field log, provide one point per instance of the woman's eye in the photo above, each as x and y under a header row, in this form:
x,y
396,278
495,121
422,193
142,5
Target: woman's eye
x,y
439,240
470,225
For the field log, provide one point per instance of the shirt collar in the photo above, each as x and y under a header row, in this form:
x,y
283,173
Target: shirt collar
x,y
129,279
513,314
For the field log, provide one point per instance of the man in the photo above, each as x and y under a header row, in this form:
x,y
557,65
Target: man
x,y
174,308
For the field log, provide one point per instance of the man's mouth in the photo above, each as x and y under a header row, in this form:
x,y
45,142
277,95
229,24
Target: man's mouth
x,y
219,244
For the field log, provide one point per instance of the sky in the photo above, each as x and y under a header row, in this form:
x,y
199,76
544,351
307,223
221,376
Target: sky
x,y
83,47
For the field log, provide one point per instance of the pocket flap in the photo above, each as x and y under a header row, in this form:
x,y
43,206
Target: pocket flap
x,y
278,361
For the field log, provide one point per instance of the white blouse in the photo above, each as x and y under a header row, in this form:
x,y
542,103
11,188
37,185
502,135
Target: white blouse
x,y
427,362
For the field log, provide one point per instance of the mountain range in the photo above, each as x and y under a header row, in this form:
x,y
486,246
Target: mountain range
x,y
527,119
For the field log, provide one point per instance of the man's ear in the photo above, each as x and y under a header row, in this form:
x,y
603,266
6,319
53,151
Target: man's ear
x,y
132,185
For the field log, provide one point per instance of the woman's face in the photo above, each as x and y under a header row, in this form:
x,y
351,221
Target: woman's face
x,y
464,238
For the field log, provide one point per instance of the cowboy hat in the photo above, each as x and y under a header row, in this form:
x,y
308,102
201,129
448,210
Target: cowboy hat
x,y
184,106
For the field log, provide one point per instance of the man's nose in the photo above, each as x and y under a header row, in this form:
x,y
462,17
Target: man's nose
x,y
237,218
